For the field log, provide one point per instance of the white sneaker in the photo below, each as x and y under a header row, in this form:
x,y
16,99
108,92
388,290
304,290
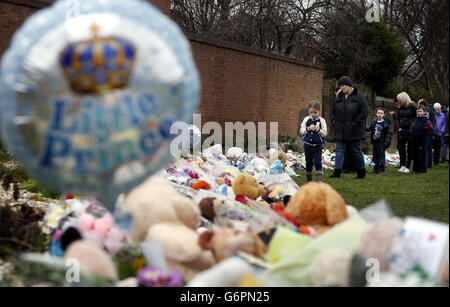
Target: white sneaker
x,y
402,169
406,171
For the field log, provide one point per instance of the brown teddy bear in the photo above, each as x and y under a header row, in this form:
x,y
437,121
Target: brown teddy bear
x,y
318,205
209,206
229,242
279,154
245,185
282,157
161,214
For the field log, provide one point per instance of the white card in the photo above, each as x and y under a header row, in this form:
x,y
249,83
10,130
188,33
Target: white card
x,y
424,243
154,254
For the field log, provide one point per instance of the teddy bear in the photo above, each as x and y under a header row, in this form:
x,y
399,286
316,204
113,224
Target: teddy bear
x,y
259,164
318,205
234,152
245,185
93,260
378,241
209,206
161,214
229,242
277,154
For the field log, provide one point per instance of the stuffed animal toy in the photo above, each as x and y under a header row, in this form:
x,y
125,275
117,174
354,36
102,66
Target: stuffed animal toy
x,y
279,208
234,152
93,260
201,185
276,168
220,181
318,205
181,248
279,154
161,214
212,151
228,273
259,164
282,157
226,190
307,230
378,241
244,158
229,242
102,232
209,206
245,185
332,268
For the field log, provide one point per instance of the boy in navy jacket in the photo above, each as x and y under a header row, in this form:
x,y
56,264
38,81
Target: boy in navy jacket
x,y
380,137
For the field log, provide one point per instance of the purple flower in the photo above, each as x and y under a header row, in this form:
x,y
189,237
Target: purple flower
x,y
174,279
156,277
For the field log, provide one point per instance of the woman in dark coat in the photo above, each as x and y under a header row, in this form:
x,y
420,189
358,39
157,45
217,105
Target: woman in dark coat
x,y
348,116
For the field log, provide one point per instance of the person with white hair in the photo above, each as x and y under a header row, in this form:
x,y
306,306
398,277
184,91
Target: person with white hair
x,y
439,133
405,116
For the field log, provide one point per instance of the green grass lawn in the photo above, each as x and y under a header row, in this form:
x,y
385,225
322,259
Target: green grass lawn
x,y
423,196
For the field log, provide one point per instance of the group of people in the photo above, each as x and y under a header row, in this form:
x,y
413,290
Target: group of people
x,y
420,129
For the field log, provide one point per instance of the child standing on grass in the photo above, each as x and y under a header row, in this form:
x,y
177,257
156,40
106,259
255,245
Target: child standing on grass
x,y
314,129
380,137
419,131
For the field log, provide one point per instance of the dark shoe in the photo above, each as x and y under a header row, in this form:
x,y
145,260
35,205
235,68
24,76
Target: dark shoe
x,y
309,177
336,173
382,173
361,174
374,172
319,176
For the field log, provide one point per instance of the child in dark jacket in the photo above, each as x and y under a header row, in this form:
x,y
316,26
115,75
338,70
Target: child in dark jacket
x,y
380,137
419,131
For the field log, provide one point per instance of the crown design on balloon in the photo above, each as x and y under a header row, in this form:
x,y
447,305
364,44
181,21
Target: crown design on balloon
x,y
99,64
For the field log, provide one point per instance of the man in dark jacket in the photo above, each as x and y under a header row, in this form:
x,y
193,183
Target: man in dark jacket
x,y
348,116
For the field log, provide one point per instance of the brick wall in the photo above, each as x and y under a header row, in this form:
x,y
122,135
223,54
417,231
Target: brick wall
x,y
240,84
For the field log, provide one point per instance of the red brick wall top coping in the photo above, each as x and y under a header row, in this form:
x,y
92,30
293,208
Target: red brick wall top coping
x,y
248,50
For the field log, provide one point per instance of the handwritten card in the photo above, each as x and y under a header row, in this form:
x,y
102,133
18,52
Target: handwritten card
x,y
424,243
